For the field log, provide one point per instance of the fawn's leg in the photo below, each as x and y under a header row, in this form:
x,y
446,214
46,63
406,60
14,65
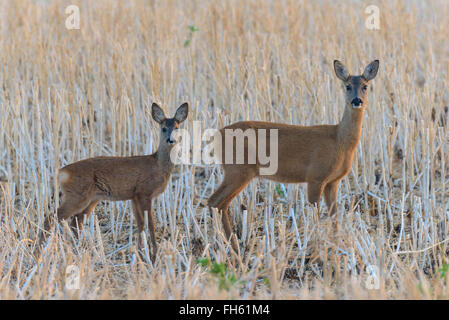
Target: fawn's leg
x,y
139,215
330,195
145,205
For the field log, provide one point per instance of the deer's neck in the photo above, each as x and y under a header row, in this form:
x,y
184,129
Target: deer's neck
x,y
163,158
350,128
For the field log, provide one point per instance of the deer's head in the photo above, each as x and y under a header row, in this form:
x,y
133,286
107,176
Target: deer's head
x,y
356,87
168,125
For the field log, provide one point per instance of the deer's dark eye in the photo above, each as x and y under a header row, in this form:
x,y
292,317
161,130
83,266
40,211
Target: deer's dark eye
x,y
348,88
364,88
164,129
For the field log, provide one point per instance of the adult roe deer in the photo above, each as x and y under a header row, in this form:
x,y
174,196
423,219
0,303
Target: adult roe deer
x,y
138,178
319,155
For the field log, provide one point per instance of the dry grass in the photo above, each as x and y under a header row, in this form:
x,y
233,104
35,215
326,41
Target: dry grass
x,y
66,95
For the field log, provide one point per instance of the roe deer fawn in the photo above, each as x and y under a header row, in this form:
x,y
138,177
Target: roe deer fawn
x,y
139,178
319,155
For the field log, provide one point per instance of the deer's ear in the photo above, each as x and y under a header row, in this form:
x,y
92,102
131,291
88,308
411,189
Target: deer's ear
x,y
182,112
157,113
371,70
340,70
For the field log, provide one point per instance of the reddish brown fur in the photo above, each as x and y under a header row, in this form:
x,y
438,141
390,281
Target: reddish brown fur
x,y
318,155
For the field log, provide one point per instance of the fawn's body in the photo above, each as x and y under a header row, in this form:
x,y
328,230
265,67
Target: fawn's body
x,y
139,178
318,155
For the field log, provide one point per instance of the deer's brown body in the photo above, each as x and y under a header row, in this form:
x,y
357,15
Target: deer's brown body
x,y
317,155
301,147
139,178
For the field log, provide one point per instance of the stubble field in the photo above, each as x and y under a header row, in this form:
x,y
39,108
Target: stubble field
x,y
67,95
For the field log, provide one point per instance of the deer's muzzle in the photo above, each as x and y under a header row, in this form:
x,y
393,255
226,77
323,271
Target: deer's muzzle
x,y
356,103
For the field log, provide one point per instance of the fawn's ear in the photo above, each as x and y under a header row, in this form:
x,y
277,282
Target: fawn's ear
x,y
371,70
182,112
340,70
157,113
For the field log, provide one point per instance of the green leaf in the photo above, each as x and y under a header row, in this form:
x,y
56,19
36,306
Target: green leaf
x,y
443,270
219,268
279,190
192,28
204,262
266,281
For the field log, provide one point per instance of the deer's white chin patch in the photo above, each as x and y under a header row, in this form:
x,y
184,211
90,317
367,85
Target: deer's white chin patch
x,y
356,107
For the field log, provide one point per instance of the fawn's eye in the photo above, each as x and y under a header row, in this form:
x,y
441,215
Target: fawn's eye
x,y
164,129
348,88
364,88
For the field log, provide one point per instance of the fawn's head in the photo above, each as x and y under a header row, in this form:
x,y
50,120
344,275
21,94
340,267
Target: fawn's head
x,y
356,87
168,124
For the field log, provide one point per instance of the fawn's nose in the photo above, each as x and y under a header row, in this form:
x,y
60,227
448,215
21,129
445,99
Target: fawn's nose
x,y
356,102
170,141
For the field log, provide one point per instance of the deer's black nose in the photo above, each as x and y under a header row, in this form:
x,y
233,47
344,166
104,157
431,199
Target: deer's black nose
x,y
356,102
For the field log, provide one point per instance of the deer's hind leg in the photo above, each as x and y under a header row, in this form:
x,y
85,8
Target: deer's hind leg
x,y
233,183
78,196
79,219
71,205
